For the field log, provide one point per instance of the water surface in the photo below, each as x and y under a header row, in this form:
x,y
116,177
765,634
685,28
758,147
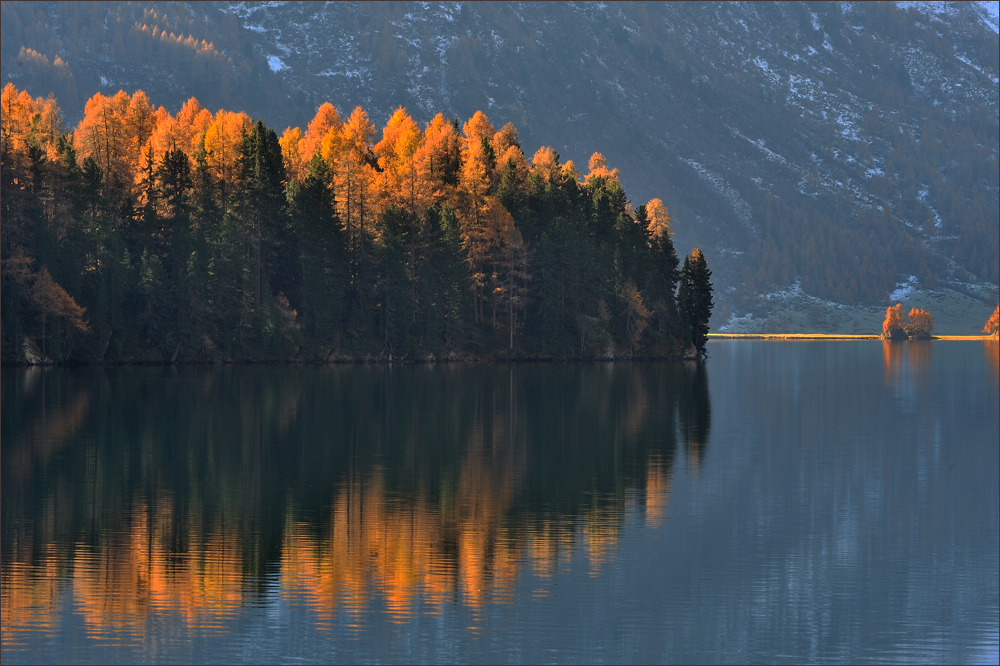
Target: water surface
x,y
781,502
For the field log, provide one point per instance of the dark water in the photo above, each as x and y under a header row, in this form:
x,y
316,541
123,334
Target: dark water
x,y
782,502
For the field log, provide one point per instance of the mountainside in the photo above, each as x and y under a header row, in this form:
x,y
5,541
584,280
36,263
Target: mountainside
x,y
822,154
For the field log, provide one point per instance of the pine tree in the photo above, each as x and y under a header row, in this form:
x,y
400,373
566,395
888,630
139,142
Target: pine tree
x,y
321,254
262,175
695,298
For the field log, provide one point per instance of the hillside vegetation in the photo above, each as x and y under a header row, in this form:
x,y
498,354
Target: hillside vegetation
x,y
142,235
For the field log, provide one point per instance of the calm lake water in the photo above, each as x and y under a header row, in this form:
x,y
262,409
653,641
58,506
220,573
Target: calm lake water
x,y
781,502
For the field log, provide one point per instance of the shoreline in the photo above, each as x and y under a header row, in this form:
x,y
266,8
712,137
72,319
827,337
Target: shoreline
x,y
493,360
471,360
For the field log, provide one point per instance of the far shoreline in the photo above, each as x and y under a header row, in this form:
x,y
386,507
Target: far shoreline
x,y
369,359
831,336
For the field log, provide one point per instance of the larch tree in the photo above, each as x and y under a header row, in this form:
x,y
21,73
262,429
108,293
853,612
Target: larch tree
x,y
326,120
894,323
599,168
291,153
545,164
919,324
101,135
355,176
397,182
50,299
223,140
437,160
992,326
192,123
476,235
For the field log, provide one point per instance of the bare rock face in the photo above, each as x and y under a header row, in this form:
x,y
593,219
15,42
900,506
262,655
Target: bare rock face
x,y
32,355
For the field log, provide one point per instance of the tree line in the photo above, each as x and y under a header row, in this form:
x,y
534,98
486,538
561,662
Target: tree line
x,y
145,236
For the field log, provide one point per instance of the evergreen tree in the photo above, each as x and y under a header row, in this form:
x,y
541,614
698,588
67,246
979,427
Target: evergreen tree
x,y
262,175
695,298
395,294
321,251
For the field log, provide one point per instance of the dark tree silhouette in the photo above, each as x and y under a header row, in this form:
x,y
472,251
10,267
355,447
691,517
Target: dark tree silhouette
x,y
695,298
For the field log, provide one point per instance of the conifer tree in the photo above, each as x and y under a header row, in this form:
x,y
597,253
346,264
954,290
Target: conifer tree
x,y
695,298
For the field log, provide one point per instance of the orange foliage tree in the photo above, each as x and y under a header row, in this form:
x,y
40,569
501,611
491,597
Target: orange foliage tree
x,y
291,153
396,152
599,168
326,121
222,148
437,158
545,164
113,131
892,327
659,220
355,176
919,324
992,326
25,121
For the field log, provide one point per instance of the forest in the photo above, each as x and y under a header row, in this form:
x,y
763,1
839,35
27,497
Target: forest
x,y
141,236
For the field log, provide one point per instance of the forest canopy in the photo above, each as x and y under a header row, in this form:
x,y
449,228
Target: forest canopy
x,y
145,236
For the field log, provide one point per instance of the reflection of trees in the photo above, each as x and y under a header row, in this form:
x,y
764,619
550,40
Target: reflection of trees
x,y
695,412
49,419
911,359
420,485
919,354
992,359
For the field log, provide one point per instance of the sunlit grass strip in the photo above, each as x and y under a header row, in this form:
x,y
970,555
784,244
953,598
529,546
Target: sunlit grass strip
x,y
825,336
790,336
964,337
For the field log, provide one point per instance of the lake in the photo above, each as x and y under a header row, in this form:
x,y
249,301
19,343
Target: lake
x,y
781,502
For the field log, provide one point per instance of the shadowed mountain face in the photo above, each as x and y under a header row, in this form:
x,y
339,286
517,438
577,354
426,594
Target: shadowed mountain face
x,y
819,153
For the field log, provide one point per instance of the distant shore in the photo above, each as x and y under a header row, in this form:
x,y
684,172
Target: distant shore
x,y
827,336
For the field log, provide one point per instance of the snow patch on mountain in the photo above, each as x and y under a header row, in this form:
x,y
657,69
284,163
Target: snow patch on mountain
x,y
739,205
275,63
904,289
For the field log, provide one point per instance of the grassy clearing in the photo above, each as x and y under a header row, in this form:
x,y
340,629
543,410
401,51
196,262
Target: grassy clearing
x,y
954,314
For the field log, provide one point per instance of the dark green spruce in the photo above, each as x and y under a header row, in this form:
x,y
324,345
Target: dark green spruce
x,y
695,297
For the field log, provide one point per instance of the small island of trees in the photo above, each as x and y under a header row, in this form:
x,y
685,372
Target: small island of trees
x,y
145,236
917,325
